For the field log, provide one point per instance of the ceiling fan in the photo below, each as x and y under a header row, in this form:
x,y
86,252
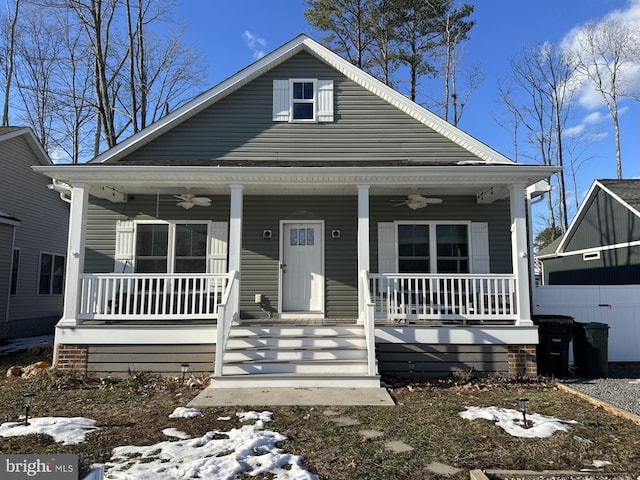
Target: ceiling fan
x,y
189,200
415,201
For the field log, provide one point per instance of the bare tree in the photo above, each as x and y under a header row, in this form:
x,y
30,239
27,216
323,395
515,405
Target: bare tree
x,y
74,91
455,29
7,57
542,105
602,53
38,55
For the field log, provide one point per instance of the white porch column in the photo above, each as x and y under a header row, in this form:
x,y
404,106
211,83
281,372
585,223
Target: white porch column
x,y
75,254
235,238
520,252
363,242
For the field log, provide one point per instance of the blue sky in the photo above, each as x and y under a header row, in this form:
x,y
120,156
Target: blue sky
x,y
232,34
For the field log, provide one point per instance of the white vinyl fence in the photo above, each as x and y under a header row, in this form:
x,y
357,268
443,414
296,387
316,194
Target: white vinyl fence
x,y
616,305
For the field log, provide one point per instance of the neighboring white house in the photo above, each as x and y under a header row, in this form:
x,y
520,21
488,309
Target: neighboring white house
x,y
33,238
299,223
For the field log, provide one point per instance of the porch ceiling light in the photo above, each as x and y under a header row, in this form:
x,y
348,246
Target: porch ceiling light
x,y
27,398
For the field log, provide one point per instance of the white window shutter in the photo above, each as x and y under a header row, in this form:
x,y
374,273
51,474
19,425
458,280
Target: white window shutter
x,y
325,100
281,100
386,247
480,248
218,254
125,235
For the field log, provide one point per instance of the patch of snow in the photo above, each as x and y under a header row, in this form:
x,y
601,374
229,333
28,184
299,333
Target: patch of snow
x,y
220,455
601,463
224,418
174,432
260,417
635,381
511,421
68,431
184,412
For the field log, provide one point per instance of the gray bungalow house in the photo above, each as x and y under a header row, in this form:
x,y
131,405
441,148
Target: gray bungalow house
x,y
299,224
33,239
602,244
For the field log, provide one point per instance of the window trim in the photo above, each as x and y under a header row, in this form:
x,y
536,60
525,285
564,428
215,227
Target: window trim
x,y
51,280
433,241
313,101
589,256
171,238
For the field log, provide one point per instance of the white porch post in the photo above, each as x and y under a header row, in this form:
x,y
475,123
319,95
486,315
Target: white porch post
x,y
235,237
520,252
363,243
75,254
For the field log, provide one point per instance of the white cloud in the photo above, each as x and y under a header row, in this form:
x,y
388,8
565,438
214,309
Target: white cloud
x,y
593,118
255,44
629,74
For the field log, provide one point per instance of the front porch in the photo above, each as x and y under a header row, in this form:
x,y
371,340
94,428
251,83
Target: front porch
x,y
352,219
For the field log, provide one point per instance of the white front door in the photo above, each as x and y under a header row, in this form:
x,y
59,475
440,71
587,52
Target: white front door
x,y
302,267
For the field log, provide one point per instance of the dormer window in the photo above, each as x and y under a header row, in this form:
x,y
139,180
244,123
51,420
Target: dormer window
x,y
303,100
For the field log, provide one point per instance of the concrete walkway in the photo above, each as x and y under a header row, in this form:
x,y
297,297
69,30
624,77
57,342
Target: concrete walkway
x,y
222,397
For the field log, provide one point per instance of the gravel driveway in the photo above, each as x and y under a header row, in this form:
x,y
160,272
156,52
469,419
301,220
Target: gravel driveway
x,y
621,389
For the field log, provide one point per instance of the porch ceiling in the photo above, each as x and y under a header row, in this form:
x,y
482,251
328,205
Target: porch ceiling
x,y
200,180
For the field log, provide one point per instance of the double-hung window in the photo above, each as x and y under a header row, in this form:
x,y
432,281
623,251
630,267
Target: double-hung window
x,y
303,99
171,247
51,277
432,247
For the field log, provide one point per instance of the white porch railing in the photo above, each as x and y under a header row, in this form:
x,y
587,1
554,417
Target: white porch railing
x,y
368,317
106,296
227,314
482,298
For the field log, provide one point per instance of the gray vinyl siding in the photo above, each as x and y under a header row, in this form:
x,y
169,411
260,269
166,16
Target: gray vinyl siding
x,y
605,221
102,216
122,360
43,228
619,266
440,360
260,257
240,127
460,208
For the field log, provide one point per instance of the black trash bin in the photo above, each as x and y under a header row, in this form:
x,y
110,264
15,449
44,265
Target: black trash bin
x,y
554,333
591,349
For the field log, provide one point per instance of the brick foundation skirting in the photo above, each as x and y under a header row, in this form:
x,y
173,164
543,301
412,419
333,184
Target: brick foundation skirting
x,y
72,358
522,361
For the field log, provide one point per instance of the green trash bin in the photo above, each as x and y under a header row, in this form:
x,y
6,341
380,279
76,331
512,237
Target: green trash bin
x,y
554,334
591,349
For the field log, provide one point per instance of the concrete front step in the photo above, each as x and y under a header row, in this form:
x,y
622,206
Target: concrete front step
x,y
234,355
295,381
295,355
320,367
